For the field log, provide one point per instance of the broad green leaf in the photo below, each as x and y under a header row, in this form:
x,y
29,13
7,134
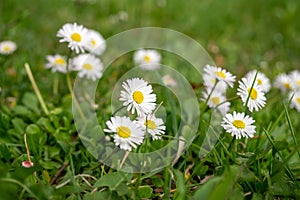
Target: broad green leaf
x,y
145,192
113,180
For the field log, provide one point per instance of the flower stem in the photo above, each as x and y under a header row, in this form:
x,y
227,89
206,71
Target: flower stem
x,y
36,89
27,149
212,90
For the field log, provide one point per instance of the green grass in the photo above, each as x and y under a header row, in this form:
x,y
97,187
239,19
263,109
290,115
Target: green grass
x,y
239,35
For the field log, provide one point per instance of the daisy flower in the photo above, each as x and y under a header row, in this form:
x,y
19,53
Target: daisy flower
x,y
127,133
137,96
215,99
168,80
295,77
295,103
261,80
88,65
76,35
57,63
283,82
154,126
220,74
209,82
147,59
257,98
239,125
95,43
7,47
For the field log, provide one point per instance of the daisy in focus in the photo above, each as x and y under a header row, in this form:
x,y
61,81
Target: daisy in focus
x,y
127,133
75,35
147,59
210,81
215,100
239,125
220,74
283,82
295,77
261,80
95,43
295,102
257,98
7,47
56,63
154,126
137,96
88,65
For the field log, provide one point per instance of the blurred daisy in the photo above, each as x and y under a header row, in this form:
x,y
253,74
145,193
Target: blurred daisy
x,y
261,80
147,59
209,82
155,126
127,133
215,99
220,74
257,98
88,65
7,47
96,43
295,103
283,82
57,63
168,80
295,77
76,35
239,125
137,96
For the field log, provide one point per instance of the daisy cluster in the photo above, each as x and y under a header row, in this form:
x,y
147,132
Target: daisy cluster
x,y
252,88
87,43
7,47
290,84
138,97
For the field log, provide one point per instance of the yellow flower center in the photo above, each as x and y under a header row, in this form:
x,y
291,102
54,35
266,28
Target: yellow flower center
x,y
6,48
253,94
87,66
298,100
76,37
60,61
259,81
138,97
123,131
239,124
147,58
93,42
215,100
287,85
298,82
221,74
150,124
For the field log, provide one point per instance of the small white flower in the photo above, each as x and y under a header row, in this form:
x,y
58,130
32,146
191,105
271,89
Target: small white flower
x,y
7,47
295,77
127,133
220,74
257,98
137,96
57,63
261,80
155,126
168,80
209,82
239,125
215,99
88,65
76,35
147,59
283,82
295,103
27,164
96,43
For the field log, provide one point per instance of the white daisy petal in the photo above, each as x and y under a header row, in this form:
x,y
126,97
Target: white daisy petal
x,y
220,74
57,63
7,47
95,42
283,82
215,100
261,80
147,59
154,126
295,103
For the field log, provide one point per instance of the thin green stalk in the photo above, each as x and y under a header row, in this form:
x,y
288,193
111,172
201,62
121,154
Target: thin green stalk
x,y
9,180
291,128
36,89
212,90
249,93
118,110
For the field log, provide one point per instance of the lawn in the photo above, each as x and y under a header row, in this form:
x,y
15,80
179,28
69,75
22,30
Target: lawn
x,y
193,131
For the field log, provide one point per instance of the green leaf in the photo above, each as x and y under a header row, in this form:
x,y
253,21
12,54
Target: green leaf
x,y
180,185
145,192
30,101
22,111
113,180
19,125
